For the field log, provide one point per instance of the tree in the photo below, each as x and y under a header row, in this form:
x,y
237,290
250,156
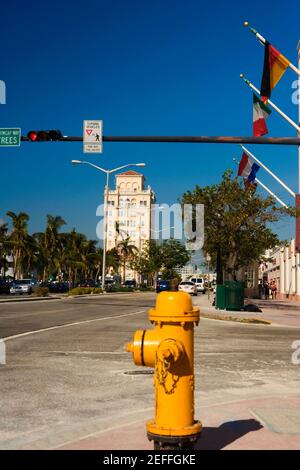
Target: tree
x,y
126,252
168,256
3,248
149,262
18,239
50,244
173,255
236,222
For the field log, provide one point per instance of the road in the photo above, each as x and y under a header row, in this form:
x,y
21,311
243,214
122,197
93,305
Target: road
x,y
67,376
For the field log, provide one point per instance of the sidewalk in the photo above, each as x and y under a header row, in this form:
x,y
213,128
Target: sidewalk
x,y
270,423
277,312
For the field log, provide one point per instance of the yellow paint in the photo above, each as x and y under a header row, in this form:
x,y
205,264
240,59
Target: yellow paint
x,y
169,348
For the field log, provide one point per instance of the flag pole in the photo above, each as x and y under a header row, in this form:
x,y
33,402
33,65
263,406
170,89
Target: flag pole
x,y
262,40
266,188
273,105
269,171
298,49
271,193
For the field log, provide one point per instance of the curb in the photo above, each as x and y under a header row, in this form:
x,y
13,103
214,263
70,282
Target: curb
x,y
253,320
34,299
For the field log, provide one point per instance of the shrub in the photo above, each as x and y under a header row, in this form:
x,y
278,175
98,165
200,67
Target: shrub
x,y
40,291
85,290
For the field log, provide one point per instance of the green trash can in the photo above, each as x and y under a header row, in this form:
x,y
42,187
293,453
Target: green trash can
x,y
234,295
220,297
230,296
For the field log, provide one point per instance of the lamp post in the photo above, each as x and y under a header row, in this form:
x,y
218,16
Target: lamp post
x,y
208,260
107,172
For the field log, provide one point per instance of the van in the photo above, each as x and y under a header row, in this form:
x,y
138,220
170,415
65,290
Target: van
x,y
199,281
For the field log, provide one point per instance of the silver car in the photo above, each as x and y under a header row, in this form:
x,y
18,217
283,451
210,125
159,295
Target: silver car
x,y
189,287
22,286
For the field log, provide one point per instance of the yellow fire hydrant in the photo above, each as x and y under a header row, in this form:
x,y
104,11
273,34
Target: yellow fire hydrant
x,y
169,348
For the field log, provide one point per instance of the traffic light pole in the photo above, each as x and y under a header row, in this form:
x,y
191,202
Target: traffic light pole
x,y
188,139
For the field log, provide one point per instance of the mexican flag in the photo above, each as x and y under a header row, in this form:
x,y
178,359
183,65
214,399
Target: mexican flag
x,y
260,114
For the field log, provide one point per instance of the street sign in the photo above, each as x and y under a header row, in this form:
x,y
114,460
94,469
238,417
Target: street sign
x,y
10,137
92,136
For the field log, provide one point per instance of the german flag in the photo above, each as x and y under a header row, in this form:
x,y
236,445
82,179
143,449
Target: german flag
x,y
275,64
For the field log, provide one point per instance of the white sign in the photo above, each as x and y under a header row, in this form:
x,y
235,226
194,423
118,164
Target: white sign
x,y
92,136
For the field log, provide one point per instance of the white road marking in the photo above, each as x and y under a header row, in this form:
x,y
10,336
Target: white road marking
x,y
21,335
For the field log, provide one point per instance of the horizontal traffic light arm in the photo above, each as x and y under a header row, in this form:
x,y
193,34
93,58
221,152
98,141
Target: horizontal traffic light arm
x,y
187,139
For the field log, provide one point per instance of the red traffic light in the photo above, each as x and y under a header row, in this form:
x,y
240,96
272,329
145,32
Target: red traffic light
x,y
44,136
32,135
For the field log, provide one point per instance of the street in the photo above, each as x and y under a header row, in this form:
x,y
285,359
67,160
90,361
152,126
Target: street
x,y
72,385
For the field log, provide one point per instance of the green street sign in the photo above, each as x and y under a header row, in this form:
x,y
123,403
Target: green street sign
x,y
10,137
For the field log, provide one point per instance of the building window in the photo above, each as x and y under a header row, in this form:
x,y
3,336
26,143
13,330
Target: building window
x,y
111,203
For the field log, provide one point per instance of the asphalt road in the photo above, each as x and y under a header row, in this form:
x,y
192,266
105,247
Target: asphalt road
x,y
67,375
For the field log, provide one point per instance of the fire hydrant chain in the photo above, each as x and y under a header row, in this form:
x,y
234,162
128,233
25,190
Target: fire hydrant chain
x,y
162,373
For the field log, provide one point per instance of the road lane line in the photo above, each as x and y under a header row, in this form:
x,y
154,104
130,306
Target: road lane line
x,y
21,335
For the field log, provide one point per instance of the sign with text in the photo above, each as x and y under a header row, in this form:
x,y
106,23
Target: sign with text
x,y
10,137
92,136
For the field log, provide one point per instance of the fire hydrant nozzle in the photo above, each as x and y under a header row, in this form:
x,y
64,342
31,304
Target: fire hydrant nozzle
x,y
169,348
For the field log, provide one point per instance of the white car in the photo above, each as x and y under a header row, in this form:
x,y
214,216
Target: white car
x,y
199,281
22,286
189,287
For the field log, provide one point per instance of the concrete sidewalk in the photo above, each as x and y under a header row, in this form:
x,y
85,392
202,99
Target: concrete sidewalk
x,y
259,424
278,314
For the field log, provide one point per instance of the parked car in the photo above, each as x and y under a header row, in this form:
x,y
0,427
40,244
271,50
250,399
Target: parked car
x,y
189,287
4,287
130,284
87,283
22,286
200,284
55,287
163,285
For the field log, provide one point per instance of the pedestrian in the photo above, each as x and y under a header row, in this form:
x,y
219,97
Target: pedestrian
x,y
267,290
273,290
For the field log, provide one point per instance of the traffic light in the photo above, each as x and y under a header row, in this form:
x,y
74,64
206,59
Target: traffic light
x,y
44,136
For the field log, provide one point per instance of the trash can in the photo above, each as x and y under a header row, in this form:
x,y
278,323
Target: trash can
x,y
230,296
220,297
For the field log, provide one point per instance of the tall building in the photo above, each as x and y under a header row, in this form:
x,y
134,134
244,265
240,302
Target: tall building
x,y
129,211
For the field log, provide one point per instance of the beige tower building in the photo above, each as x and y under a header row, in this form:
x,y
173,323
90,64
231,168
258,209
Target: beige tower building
x,y
129,212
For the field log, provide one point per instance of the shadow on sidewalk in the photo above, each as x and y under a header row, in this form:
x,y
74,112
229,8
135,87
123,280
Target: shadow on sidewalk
x,y
218,438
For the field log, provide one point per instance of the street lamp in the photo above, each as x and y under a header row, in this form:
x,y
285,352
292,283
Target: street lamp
x,y
107,172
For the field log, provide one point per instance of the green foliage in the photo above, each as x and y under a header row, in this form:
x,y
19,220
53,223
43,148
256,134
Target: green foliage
x,y
85,291
165,257
237,221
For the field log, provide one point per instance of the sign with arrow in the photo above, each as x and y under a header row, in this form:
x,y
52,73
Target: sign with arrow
x,y
92,136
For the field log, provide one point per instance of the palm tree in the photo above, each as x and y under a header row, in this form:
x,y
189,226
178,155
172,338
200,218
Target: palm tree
x,y
18,239
3,248
50,244
126,251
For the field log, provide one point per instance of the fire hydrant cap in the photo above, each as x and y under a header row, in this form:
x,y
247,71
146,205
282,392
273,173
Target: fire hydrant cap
x,y
174,306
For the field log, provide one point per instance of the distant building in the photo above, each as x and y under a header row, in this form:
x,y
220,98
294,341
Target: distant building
x,y
129,212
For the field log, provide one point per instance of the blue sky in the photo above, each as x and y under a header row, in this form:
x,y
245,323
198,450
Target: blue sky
x,y
156,67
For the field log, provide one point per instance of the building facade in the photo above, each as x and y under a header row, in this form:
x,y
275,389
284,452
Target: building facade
x,y
129,209
283,267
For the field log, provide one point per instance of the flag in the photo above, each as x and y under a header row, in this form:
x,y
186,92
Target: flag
x,y
275,64
260,114
247,168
